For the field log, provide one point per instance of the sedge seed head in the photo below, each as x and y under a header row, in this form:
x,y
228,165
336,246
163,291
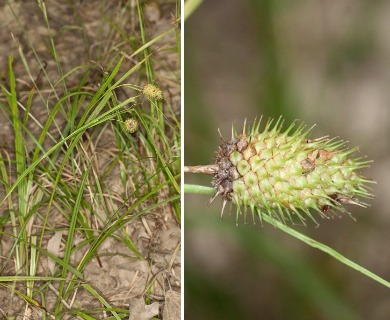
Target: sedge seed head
x,y
131,125
153,92
285,173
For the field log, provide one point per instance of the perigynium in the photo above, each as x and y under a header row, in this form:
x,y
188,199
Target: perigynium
x,y
285,174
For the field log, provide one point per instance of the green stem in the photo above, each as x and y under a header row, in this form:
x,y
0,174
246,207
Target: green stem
x,y
192,188
188,188
190,6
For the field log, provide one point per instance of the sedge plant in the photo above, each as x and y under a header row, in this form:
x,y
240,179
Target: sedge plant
x,y
104,156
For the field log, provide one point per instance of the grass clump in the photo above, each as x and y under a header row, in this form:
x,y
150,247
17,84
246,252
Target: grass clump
x,y
82,200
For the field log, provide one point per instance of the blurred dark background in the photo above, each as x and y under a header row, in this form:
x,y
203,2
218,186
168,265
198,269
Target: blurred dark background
x,y
325,63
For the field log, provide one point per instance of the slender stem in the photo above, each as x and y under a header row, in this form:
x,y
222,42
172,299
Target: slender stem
x,y
320,246
190,6
207,169
192,188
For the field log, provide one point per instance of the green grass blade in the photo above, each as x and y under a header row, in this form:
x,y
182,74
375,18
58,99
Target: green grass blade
x,y
101,299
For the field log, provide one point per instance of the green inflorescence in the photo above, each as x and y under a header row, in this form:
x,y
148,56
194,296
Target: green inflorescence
x,y
284,173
